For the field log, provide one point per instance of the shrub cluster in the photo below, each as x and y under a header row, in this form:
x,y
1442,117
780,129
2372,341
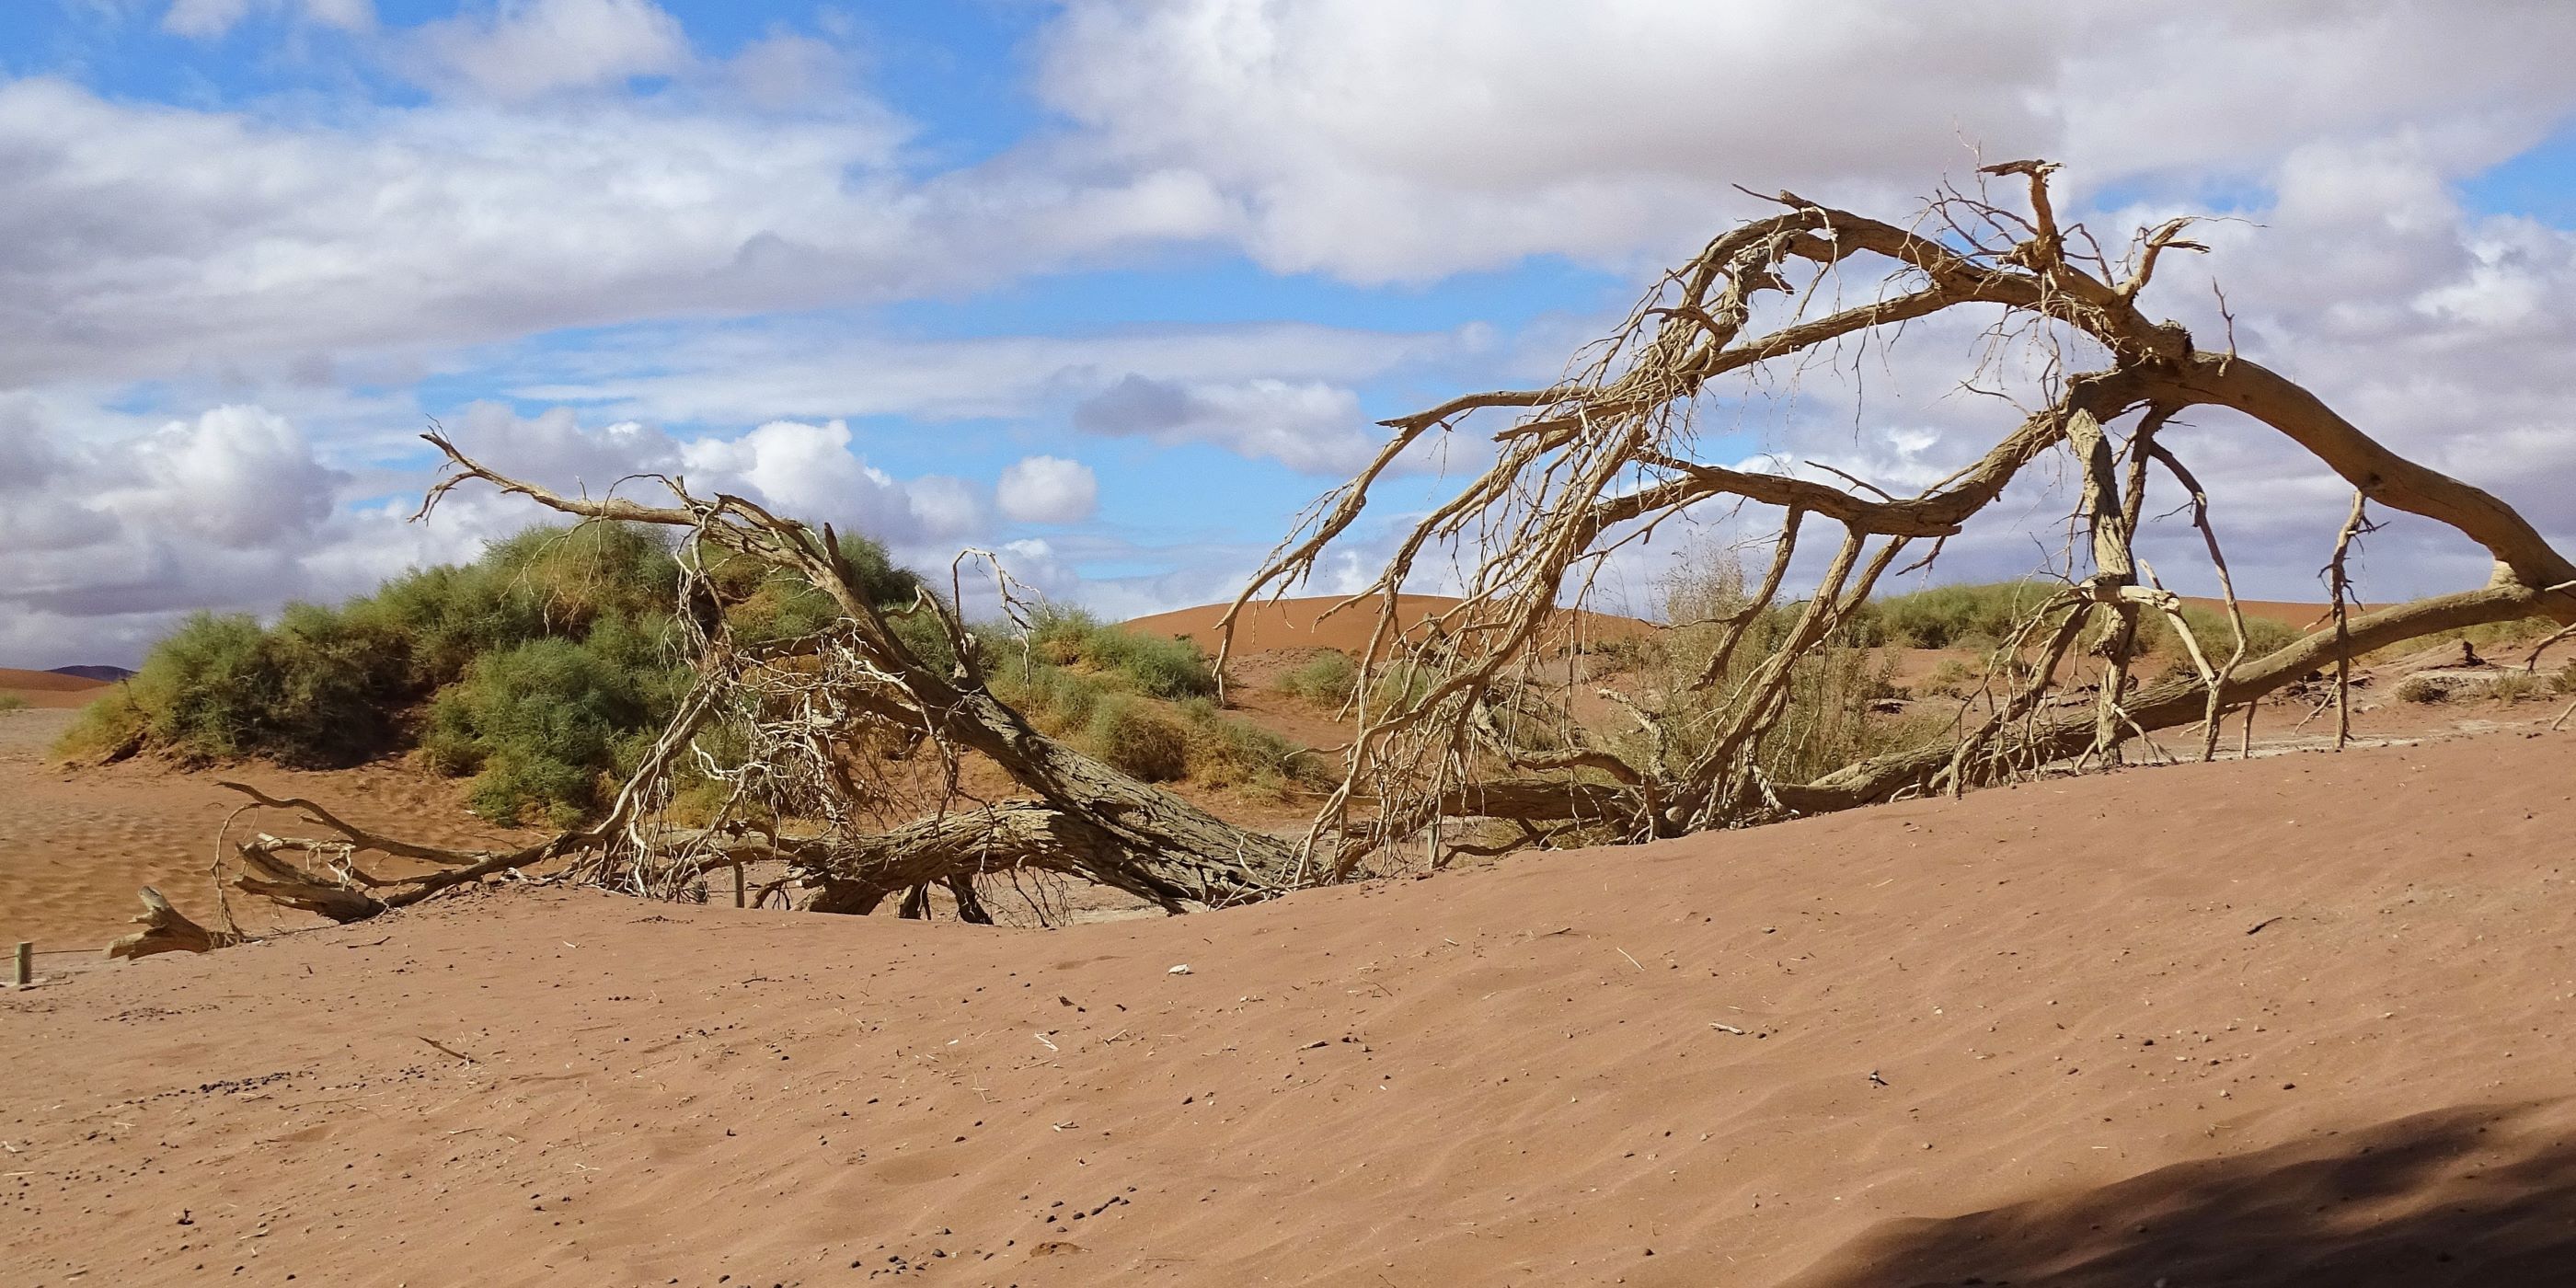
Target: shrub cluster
x,y
1984,616
543,668
1142,704
1153,665
1326,679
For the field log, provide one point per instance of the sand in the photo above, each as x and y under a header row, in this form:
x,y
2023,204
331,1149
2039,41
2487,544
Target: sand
x,y
2300,1020
48,688
1303,623
75,845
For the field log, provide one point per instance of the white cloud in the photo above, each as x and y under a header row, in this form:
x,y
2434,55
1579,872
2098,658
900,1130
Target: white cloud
x,y
211,19
802,470
738,374
1308,426
240,477
524,48
1407,141
1049,489
266,254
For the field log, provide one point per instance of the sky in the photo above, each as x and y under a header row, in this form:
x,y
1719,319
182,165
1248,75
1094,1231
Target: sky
x,y
1114,288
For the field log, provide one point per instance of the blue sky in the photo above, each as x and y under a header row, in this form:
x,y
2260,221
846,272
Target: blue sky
x,y
1115,287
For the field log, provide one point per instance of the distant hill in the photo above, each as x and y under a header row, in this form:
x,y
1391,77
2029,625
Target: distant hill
x,y
49,688
1303,623
102,674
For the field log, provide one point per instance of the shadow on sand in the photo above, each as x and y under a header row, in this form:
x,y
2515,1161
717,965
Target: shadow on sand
x,y
2480,1195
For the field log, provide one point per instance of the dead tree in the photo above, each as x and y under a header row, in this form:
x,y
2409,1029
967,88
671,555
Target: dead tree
x,y
823,717
1600,460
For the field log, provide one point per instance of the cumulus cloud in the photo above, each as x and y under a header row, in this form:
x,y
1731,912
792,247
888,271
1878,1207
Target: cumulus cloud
x,y
110,539
254,251
1405,142
808,470
525,48
114,536
1049,489
146,243
240,477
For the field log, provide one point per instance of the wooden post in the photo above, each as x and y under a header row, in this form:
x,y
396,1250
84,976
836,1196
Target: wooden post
x,y
26,972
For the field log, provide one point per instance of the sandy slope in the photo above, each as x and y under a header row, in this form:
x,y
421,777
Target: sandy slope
x,y
76,844
49,689
2302,1020
1303,624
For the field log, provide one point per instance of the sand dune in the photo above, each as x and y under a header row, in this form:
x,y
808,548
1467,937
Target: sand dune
x,y
49,688
1302,623
2302,1020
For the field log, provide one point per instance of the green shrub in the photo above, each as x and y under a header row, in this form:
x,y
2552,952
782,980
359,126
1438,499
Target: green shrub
x,y
1825,723
1401,683
547,726
11,703
307,693
327,686
1229,753
1973,616
111,727
1952,679
1133,738
1327,679
1149,664
2217,636
1057,701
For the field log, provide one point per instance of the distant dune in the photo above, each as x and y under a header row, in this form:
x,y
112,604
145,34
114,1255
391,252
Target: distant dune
x,y
49,688
2286,612
1302,624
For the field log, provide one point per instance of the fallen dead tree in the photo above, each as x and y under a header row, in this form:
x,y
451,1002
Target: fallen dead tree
x,y
1602,459
830,729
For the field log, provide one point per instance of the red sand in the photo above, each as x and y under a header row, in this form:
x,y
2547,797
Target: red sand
x,y
47,689
1301,624
2301,1020
2301,616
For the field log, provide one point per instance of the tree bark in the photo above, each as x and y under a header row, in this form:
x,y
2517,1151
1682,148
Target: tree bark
x,y
166,931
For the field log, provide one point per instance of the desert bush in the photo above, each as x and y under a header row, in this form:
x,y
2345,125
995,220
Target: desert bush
x,y
548,726
1968,616
2515,686
1162,668
1328,678
1229,753
112,725
1952,679
1826,722
305,693
2421,689
1984,616
1149,664
1401,682
2217,636
2564,681
11,703
542,663
1058,701
1132,737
